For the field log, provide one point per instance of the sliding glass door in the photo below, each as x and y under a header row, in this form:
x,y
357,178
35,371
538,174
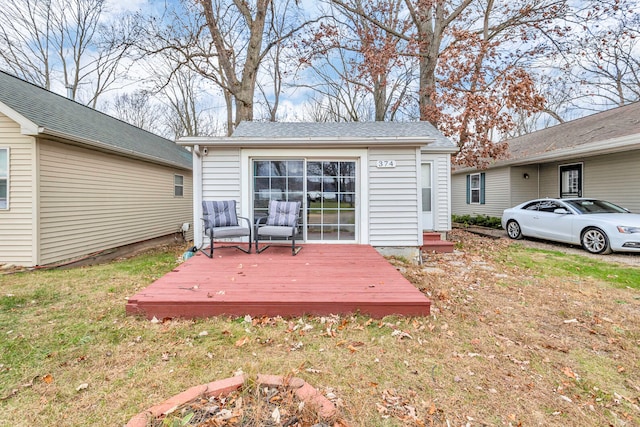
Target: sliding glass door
x,y
326,188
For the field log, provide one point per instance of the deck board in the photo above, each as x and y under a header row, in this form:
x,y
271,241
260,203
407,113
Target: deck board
x,y
320,280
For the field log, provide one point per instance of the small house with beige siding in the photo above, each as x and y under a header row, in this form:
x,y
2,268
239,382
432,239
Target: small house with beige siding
x,y
595,156
74,181
378,183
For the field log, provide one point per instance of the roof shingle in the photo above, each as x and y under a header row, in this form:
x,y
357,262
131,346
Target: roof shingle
x,y
76,121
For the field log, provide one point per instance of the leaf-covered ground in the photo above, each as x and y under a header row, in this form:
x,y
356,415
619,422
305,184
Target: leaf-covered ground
x,y
516,337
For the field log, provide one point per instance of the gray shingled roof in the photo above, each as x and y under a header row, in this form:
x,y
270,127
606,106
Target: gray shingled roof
x,y
342,130
60,115
603,126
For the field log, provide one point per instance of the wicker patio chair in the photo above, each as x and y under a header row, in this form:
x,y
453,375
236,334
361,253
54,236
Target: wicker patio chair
x,y
221,222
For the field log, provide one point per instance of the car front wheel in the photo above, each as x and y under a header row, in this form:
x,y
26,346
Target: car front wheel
x,y
595,241
513,230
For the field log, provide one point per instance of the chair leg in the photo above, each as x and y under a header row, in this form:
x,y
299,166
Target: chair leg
x,y
294,249
264,248
246,251
210,252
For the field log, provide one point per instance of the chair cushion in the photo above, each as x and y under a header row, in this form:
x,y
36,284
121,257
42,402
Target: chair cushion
x,y
223,232
283,214
276,231
220,213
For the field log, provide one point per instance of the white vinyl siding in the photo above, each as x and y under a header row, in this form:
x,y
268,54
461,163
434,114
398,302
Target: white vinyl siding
x,y
17,223
442,190
91,201
221,175
393,198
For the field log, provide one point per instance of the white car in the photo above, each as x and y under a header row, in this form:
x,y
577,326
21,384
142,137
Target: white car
x,y
599,226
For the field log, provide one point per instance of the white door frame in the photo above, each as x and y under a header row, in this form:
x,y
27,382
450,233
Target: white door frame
x,y
362,192
426,216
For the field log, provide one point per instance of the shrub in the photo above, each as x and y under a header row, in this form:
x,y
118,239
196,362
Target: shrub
x,y
479,220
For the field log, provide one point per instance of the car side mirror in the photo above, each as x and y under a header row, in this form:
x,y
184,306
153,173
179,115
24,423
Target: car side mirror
x,y
561,211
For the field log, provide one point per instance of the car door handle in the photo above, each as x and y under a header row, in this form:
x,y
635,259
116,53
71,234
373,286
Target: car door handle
x,y
536,217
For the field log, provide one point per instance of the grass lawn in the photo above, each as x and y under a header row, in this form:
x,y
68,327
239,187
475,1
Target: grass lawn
x,y
516,337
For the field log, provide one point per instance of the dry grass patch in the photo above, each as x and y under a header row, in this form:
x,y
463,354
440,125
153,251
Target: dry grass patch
x,y
509,342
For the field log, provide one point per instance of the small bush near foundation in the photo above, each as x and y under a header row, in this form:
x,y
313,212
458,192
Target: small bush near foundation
x,y
479,220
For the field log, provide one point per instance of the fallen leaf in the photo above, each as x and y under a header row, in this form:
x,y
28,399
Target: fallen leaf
x,y
48,378
568,372
82,386
242,341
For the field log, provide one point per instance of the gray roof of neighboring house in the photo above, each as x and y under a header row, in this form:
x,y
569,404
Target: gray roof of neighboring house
x,y
60,116
603,126
599,133
342,130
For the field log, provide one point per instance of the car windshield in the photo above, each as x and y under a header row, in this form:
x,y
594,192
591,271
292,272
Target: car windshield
x,y
594,206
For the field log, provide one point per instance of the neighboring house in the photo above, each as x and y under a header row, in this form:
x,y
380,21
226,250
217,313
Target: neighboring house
x,y
596,156
74,181
378,183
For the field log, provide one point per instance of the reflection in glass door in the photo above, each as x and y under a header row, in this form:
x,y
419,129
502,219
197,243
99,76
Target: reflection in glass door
x,y
331,211
276,180
330,186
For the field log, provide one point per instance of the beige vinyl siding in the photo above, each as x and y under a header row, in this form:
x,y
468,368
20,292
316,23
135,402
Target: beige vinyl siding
x,y
614,177
496,194
393,198
221,175
549,184
523,189
17,225
91,201
459,194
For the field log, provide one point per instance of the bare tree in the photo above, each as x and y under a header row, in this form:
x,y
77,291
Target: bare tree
x,y
342,99
188,111
227,42
608,67
44,41
139,109
363,58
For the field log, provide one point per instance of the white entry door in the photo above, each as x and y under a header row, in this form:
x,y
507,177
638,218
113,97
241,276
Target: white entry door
x,y
427,214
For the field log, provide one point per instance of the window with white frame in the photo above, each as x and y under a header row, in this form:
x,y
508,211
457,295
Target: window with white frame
x,y
474,187
4,178
178,186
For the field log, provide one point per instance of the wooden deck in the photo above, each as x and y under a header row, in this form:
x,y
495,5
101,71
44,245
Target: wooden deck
x,y
320,280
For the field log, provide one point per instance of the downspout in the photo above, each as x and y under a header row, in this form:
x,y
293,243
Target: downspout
x,y
197,196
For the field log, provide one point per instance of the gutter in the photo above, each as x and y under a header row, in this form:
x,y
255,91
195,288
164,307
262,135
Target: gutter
x,y
315,142
110,148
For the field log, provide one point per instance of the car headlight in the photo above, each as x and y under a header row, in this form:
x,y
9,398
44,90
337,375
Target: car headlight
x,y
628,230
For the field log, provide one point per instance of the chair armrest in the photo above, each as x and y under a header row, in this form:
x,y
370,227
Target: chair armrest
x,y
261,220
247,220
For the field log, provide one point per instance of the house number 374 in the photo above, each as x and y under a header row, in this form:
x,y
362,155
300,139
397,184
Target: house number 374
x,y
386,164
